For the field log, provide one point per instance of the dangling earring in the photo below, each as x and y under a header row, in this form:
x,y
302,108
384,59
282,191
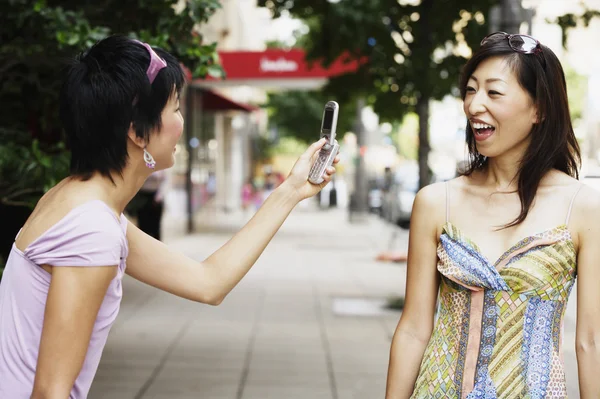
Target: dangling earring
x,y
150,162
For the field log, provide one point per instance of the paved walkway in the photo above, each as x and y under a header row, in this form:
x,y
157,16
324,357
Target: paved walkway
x,y
305,323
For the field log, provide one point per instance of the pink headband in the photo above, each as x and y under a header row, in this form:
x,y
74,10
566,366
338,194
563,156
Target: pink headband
x,y
156,63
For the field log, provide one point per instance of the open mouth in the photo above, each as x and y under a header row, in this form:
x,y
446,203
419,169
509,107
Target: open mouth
x,y
482,130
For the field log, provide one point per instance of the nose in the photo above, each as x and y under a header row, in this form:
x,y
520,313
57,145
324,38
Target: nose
x,y
476,104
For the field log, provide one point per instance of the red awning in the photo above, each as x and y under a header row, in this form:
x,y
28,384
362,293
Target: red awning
x,y
212,101
277,63
277,69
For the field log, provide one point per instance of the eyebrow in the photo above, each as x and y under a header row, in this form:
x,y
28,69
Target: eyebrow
x,y
490,80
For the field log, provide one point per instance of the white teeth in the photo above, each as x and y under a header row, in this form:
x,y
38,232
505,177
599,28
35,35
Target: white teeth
x,y
482,126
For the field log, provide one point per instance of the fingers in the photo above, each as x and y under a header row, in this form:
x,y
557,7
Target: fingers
x,y
313,149
336,159
327,176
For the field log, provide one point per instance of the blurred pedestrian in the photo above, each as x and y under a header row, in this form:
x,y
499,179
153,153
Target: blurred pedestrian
x,y
498,248
247,194
61,289
259,195
269,185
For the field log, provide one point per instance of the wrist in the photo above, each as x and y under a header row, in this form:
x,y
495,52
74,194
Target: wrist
x,y
288,193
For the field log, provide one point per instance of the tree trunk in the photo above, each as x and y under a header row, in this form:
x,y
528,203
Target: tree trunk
x,y
425,50
424,148
191,108
361,189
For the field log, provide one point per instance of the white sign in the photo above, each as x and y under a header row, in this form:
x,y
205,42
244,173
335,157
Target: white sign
x,y
279,65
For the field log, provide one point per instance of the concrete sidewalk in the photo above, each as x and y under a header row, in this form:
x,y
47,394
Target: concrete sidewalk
x,y
295,327
305,323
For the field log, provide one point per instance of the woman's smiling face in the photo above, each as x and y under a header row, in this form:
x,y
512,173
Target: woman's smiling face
x,y
500,111
162,143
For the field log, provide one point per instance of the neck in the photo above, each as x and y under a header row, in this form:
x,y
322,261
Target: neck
x,y
118,194
502,176
502,171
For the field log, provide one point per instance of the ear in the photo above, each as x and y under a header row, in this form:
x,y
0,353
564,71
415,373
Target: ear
x,y
536,118
138,141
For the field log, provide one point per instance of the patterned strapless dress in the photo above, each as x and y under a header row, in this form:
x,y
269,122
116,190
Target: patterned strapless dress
x,y
498,328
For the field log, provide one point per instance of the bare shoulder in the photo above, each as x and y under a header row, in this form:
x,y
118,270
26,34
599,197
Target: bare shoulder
x,y
587,204
585,198
52,207
429,209
585,216
432,196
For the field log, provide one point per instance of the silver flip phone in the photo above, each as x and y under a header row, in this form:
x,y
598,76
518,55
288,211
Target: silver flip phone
x,y
330,149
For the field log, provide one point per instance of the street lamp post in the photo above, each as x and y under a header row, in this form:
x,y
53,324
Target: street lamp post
x,y
508,17
511,16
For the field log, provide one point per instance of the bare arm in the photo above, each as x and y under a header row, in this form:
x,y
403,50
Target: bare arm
x,y
587,340
73,301
210,281
422,282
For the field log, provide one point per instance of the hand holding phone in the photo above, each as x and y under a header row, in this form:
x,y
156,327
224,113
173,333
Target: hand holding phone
x,y
329,151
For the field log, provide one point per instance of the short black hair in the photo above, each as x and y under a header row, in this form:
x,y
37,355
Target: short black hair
x,y
105,91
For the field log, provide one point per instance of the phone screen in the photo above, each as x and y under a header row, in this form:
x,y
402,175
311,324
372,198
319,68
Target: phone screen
x,y
327,119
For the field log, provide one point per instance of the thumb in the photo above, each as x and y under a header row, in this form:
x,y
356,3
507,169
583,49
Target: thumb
x,y
312,150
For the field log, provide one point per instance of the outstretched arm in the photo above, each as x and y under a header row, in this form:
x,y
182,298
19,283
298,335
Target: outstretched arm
x,y
152,262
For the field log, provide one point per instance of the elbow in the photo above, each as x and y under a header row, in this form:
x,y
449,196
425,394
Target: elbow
x,y
414,329
588,345
213,298
585,347
212,287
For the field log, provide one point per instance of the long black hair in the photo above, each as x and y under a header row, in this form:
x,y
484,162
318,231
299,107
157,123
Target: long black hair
x,y
555,147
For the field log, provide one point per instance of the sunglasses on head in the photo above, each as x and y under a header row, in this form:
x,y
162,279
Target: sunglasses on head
x,y
520,43
523,44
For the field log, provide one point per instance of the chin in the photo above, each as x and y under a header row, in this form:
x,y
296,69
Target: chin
x,y
162,166
488,150
169,164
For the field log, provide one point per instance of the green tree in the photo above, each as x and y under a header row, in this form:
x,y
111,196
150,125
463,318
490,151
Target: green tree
x,y
39,37
571,20
415,50
298,114
576,84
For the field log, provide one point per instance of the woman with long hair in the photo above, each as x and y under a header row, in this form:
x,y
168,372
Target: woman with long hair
x,y
498,249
